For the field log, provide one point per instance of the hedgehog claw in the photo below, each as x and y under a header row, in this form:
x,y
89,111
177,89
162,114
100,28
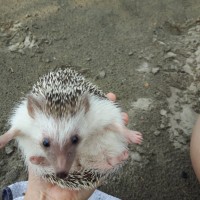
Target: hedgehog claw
x,y
134,137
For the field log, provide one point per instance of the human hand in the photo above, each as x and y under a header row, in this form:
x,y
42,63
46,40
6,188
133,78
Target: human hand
x,y
38,189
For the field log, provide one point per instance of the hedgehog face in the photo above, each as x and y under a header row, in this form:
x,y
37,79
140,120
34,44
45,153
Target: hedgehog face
x,y
60,157
59,140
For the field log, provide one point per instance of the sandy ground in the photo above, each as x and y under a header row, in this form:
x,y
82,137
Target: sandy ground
x,y
147,52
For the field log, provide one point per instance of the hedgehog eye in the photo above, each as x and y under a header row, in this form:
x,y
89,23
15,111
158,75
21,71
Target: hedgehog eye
x,y
46,142
74,139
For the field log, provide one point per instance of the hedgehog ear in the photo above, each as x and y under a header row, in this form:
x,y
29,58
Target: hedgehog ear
x,y
34,104
8,136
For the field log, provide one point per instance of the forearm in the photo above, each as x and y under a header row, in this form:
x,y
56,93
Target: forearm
x,y
195,148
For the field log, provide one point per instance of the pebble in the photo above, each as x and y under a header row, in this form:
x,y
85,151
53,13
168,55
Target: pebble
x,y
155,70
193,88
14,47
136,156
2,163
146,85
39,51
11,70
9,150
142,104
162,126
189,60
88,59
170,55
198,59
28,15
181,139
161,43
130,53
47,60
184,175
197,52
102,74
177,62
163,112
140,149
144,68
187,69
156,133
177,145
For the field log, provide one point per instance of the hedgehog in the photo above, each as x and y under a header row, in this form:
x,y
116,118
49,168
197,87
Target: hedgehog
x,y
70,134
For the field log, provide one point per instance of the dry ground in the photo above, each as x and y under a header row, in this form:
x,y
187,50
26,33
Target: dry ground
x,y
147,52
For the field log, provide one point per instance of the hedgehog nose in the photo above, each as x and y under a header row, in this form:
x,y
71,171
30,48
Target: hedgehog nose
x,y
62,175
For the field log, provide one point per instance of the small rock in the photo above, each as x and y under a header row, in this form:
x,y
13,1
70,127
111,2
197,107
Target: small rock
x,y
170,55
102,74
88,59
140,149
39,51
162,126
9,150
187,69
155,70
149,57
130,53
184,175
181,139
193,88
144,68
11,70
28,15
2,163
136,156
142,104
198,59
197,52
177,62
156,133
177,145
146,85
14,47
161,43
47,60
163,112
189,60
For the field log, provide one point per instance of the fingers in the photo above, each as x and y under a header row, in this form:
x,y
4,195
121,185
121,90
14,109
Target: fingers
x,y
111,96
8,136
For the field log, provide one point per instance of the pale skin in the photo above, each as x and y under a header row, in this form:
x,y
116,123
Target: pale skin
x,y
195,149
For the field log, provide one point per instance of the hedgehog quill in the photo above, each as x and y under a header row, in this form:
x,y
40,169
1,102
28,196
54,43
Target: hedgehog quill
x,y
69,133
